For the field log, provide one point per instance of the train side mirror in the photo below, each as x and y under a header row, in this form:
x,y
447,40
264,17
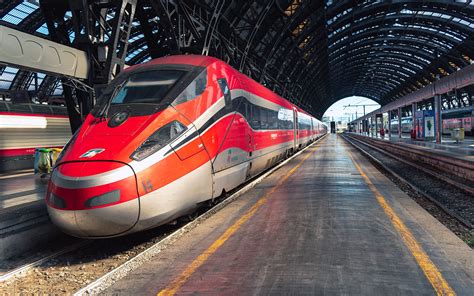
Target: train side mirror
x,y
226,91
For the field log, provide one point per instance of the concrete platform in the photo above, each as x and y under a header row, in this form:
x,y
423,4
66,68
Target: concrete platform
x,y
326,223
21,188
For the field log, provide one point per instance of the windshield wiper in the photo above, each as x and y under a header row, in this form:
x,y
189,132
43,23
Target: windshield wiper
x,y
105,110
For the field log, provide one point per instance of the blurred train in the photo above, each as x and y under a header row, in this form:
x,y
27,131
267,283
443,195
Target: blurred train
x,y
459,118
165,137
451,119
24,127
406,125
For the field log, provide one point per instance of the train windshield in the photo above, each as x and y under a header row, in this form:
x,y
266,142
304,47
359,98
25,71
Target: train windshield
x,y
148,87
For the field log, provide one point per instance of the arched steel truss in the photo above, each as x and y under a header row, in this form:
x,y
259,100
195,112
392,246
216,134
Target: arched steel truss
x,y
312,52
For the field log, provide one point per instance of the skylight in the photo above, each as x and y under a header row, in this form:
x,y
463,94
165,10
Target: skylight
x,y
19,13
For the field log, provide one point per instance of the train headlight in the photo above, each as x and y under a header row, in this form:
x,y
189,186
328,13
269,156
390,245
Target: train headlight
x,y
56,201
103,199
163,136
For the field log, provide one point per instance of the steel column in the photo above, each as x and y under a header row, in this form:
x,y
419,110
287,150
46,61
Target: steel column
x,y
399,111
376,126
101,29
389,124
437,108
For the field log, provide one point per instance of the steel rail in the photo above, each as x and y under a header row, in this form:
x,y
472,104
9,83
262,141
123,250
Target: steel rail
x,y
17,272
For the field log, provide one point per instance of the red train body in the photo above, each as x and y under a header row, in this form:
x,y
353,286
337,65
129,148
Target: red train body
x,y
167,136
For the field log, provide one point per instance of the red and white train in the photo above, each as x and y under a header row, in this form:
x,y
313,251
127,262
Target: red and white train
x,y
167,136
24,127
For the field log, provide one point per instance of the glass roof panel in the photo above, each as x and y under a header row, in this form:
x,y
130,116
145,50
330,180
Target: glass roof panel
x,y
19,13
133,54
43,29
58,90
7,77
395,38
33,82
136,37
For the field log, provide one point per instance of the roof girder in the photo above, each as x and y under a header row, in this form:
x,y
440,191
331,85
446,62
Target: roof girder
x,y
318,64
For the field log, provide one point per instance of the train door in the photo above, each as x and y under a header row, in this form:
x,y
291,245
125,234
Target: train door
x,y
248,131
295,130
244,109
231,138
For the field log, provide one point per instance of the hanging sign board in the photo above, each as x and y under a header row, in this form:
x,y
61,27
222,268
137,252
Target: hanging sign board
x,y
429,127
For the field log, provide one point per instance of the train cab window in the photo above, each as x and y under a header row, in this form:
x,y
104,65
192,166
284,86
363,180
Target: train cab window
x,y
193,90
226,91
242,106
146,87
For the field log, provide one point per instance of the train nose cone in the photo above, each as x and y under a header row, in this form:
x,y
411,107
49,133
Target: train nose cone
x,y
93,199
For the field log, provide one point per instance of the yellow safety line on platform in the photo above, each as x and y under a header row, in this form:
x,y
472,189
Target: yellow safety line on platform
x,y
435,277
172,288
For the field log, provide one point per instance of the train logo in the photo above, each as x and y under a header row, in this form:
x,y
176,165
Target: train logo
x,y
91,153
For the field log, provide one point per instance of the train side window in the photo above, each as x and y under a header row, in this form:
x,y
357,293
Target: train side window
x,y
226,91
255,117
3,106
265,124
285,119
193,90
273,117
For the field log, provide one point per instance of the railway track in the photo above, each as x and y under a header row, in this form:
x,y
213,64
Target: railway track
x,y
450,194
19,271
453,167
90,266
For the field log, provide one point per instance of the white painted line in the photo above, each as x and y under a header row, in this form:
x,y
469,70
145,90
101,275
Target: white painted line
x,y
124,269
4,204
16,175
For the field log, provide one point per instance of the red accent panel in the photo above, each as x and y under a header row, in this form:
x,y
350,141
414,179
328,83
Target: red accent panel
x,y
190,149
75,198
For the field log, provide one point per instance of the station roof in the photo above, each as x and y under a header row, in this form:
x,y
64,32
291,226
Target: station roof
x,y
317,52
